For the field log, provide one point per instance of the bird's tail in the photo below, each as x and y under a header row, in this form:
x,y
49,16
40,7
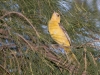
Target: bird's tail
x,y
71,56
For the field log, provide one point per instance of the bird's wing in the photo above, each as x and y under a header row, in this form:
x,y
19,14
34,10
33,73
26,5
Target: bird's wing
x,y
65,32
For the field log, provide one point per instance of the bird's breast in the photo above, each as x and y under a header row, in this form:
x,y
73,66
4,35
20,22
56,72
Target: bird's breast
x,y
58,35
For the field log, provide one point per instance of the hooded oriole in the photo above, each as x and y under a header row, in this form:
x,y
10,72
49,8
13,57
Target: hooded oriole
x,y
61,37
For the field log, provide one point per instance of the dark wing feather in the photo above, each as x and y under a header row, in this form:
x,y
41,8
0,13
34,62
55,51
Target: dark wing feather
x,y
65,32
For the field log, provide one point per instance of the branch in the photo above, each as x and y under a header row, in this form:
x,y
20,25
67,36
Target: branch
x,y
5,69
88,44
59,61
22,16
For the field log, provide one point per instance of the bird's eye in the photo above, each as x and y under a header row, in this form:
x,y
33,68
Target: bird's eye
x,y
58,15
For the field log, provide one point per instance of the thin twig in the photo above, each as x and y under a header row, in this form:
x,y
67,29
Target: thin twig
x,y
85,61
24,40
87,44
21,15
93,59
5,69
58,61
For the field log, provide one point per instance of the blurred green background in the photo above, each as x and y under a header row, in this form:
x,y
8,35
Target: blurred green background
x,y
26,46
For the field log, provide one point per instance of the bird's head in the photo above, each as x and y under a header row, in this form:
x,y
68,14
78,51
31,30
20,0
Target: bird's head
x,y
55,17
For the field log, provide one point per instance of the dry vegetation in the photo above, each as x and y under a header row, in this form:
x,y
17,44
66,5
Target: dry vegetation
x,y
26,50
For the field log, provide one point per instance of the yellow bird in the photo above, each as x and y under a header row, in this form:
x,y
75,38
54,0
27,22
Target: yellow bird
x,y
61,37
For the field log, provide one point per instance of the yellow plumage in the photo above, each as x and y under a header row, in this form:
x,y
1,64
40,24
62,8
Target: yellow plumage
x,y
60,36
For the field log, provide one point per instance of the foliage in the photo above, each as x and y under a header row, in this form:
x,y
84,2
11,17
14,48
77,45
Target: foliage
x,y
26,47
